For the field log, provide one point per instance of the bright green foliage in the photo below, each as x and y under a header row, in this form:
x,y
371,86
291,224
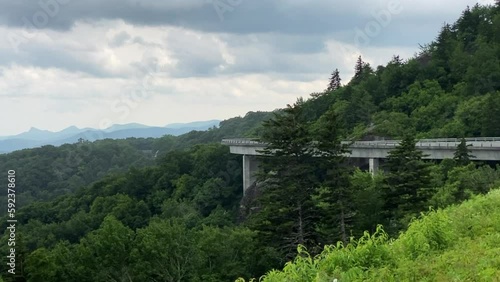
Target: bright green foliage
x,y
165,252
229,249
394,124
107,248
459,243
491,115
103,255
462,182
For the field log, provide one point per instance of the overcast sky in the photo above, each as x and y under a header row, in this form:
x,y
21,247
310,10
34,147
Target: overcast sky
x,y
94,63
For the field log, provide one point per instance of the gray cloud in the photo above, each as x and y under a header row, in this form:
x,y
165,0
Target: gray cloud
x,y
245,17
120,39
48,57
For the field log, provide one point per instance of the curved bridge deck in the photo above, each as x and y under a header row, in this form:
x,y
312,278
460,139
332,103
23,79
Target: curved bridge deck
x,y
483,149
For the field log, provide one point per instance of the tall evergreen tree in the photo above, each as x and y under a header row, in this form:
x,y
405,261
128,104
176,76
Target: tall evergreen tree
x,y
362,71
396,60
334,81
406,183
462,155
358,69
334,196
286,214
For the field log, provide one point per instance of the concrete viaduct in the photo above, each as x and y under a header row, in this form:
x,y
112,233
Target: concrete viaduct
x,y
484,149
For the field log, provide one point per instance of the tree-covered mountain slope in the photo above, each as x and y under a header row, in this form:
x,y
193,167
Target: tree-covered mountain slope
x,y
47,172
449,89
458,243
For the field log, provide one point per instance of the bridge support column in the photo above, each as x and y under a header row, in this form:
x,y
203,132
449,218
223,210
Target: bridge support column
x,y
373,165
250,167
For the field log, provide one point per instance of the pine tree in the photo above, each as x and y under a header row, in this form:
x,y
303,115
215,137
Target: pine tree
x,y
361,71
407,181
335,195
462,155
396,60
287,214
358,69
334,81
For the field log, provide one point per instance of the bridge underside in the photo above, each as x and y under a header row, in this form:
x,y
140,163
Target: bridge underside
x,y
441,153
251,166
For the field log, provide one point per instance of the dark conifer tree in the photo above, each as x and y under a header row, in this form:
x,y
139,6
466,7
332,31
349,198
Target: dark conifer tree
x,y
462,155
334,81
358,69
406,183
335,195
396,60
286,213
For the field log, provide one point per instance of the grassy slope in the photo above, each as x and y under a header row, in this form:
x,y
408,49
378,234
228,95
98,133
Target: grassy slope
x,y
459,243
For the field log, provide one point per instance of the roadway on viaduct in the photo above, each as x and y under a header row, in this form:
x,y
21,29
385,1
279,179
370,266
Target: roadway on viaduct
x,y
483,149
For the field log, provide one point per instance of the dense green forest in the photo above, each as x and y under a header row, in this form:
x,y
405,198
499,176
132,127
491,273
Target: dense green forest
x,y
172,209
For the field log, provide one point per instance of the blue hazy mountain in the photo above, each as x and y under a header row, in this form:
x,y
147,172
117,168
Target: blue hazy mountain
x,y
205,124
32,134
36,134
37,137
117,127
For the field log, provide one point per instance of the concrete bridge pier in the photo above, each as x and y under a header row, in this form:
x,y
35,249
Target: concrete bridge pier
x,y
250,168
373,165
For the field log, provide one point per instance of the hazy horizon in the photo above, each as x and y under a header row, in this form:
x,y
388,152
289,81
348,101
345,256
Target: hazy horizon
x,y
113,125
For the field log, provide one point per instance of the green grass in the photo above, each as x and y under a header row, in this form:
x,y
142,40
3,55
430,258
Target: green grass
x,y
459,243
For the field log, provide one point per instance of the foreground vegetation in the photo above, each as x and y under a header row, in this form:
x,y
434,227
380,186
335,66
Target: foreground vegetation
x,y
459,243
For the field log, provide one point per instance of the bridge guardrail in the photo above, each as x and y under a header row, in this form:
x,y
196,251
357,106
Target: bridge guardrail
x,y
242,141
422,143
478,144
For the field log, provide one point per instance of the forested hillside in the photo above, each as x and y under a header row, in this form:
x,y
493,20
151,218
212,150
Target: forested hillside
x,y
172,209
48,172
449,89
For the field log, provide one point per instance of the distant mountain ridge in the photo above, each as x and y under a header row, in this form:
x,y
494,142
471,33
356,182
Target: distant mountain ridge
x,y
36,137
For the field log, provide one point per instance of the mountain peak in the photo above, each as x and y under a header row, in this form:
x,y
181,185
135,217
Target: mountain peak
x,y
34,129
70,129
